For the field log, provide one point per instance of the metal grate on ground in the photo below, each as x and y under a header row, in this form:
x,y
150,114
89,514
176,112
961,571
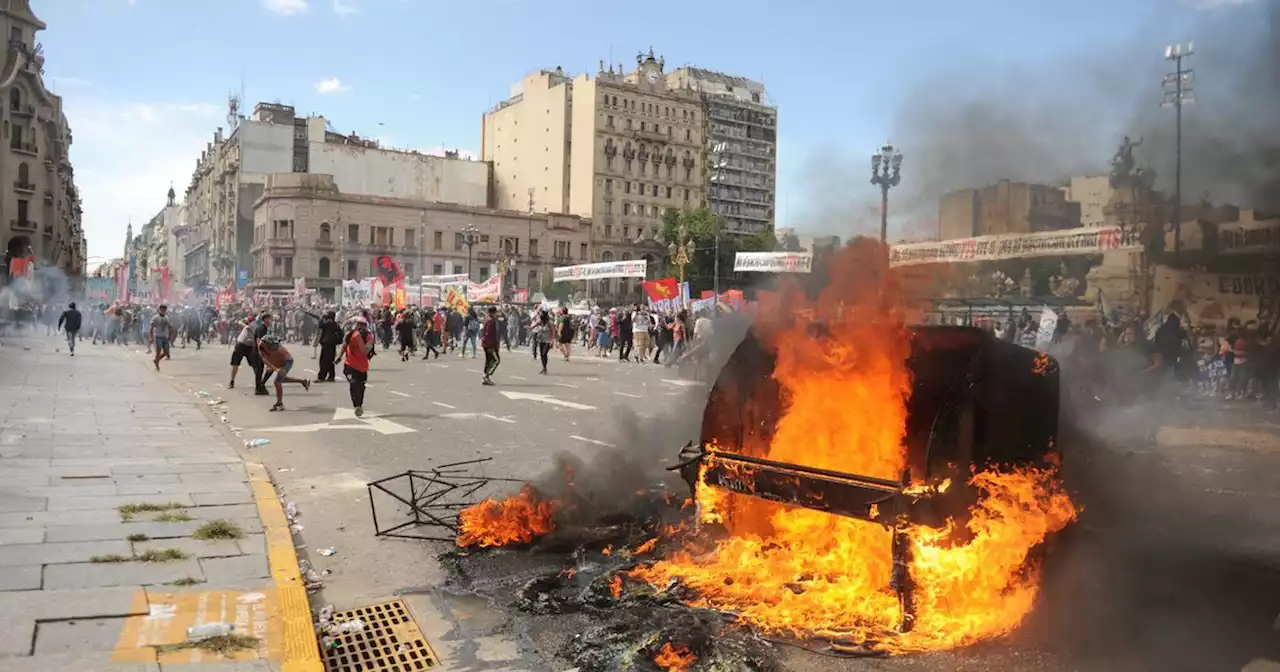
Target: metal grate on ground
x,y
389,642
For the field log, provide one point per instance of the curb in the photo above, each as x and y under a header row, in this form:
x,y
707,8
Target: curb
x,y
301,648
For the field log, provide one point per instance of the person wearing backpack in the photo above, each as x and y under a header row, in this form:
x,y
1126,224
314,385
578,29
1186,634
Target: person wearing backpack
x,y
472,330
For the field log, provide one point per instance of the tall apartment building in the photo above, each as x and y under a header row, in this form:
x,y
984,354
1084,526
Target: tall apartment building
x,y
1092,192
1005,207
231,174
39,202
618,148
740,120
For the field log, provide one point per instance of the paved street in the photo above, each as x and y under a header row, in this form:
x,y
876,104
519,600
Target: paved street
x,y
1207,487
419,414
108,475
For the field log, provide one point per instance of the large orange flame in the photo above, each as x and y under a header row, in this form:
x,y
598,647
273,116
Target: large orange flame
x,y
803,572
518,519
674,658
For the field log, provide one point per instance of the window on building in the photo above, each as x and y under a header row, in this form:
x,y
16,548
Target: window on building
x,y
608,162
458,241
353,233
686,195
24,174
509,243
626,209
668,192
410,237
609,121
688,135
628,126
409,269
353,268
626,233
325,235
608,186
693,116
437,241
670,171
437,269
533,278
655,190
688,174
15,99
323,271
626,187
16,141
608,231
644,126
608,207
582,251
628,165
24,211
533,247
457,269
562,250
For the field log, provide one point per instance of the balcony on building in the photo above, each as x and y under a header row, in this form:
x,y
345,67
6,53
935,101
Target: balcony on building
x,y
22,109
24,185
23,225
48,230
28,148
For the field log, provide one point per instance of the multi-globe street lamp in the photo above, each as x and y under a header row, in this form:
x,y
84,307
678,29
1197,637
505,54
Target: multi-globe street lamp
x,y
681,253
886,173
470,236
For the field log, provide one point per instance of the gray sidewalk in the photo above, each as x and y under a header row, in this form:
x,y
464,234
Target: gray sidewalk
x,y
106,473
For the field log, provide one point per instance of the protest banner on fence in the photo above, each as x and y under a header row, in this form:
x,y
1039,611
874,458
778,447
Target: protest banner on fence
x,y
1085,240
600,271
773,262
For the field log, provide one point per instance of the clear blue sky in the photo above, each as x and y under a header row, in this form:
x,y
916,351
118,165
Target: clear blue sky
x,y
146,81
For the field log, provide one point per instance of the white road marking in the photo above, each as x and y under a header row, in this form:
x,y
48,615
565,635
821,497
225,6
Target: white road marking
x,y
473,416
574,387
546,399
519,378
309,370
682,383
400,394
595,441
627,394
442,404
473,370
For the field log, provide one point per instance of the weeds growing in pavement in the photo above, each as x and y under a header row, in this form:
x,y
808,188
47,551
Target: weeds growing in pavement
x,y
177,516
186,581
138,537
225,645
218,529
110,558
160,555
128,511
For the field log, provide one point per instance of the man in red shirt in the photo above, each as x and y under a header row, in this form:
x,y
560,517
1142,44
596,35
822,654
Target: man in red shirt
x,y
489,341
355,347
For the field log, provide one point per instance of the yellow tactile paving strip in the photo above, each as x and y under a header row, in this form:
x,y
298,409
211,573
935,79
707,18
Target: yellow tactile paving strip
x,y
1226,438
280,617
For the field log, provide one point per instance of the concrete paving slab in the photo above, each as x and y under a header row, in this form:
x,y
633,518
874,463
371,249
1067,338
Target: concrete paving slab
x,y
115,501
66,490
17,504
205,487
231,569
221,498
72,662
44,554
166,468
224,512
23,577
118,531
221,666
196,548
253,544
56,518
21,535
83,636
106,575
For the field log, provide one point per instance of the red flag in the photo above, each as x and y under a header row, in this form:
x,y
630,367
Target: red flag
x,y
661,290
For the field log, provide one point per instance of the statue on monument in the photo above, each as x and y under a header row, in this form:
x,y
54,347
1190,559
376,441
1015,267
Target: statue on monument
x,y
1123,164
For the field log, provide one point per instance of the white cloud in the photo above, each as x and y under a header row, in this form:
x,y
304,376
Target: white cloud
x,y
286,7
331,85
66,81
126,155
344,9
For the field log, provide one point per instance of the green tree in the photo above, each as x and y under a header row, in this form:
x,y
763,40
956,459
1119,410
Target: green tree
x,y
700,226
555,291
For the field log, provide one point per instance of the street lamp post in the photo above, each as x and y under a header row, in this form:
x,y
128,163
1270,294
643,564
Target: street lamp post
x,y
681,253
422,234
717,178
1177,85
470,236
529,245
886,173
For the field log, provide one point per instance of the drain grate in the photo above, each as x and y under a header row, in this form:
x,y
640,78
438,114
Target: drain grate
x,y
390,641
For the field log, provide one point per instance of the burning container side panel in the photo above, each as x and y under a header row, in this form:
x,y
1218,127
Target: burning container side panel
x,y
745,403
1017,419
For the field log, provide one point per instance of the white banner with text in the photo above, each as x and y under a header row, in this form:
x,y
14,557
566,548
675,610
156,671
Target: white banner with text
x,y
773,262
1087,240
600,271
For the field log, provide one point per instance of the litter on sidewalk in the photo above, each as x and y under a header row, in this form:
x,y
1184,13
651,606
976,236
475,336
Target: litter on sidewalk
x,y
256,443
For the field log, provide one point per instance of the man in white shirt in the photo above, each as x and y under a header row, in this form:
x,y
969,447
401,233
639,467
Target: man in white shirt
x,y
702,328
641,322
